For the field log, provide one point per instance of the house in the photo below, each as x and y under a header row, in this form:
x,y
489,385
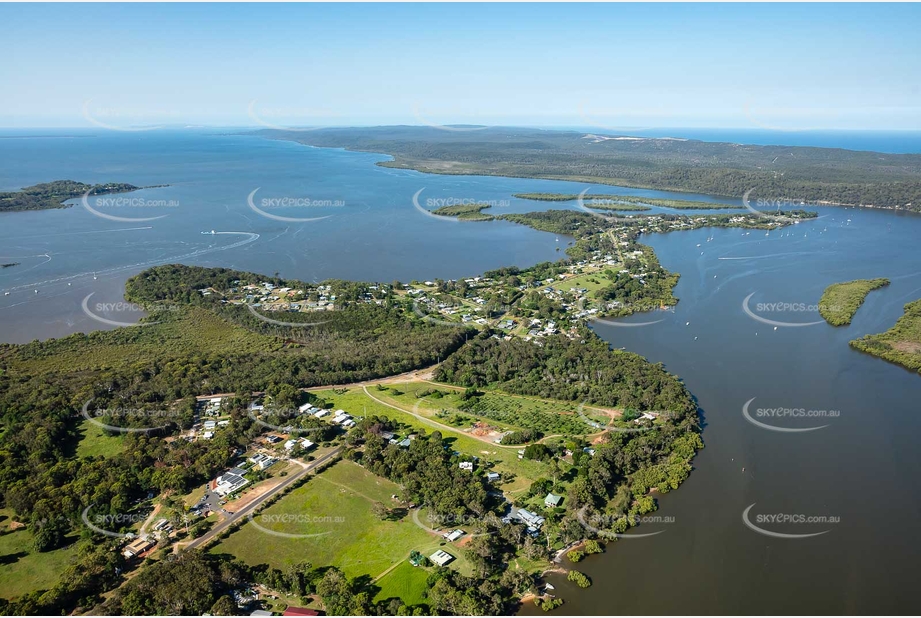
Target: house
x,y
321,413
261,462
207,435
261,612
466,465
492,477
552,500
531,520
387,435
229,483
405,443
305,408
210,425
273,439
290,444
348,423
300,611
453,536
307,444
441,557
136,547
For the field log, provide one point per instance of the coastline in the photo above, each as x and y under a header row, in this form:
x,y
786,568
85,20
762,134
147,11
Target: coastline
x,y
400,162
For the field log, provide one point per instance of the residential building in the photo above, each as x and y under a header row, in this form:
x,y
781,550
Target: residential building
x,y
441,557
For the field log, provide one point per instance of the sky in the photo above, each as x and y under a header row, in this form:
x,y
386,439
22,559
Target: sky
x,y
612,66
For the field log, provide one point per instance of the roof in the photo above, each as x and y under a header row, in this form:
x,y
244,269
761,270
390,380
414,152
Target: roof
x,y
441,557
553,499
300,611
261,612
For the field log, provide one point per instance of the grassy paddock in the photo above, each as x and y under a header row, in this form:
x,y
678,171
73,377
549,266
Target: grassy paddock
x,y
338,502
24,570
95,442
405,582
356,402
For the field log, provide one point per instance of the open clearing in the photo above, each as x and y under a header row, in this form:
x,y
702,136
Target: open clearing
x,y
335,506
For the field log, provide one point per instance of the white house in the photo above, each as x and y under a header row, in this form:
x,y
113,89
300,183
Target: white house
x,y
441,557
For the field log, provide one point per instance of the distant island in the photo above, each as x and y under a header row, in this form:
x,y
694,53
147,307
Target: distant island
x,y
840,301
626,202
901,344
53,194
9,265
776,175
465,212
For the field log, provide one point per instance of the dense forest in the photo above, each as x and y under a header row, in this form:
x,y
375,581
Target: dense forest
x,y
54,194
774,173
581,369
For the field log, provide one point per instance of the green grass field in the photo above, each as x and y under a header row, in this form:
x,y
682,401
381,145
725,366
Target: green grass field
x,y
95,442
501,409
405,582
356,402
338,503
23,570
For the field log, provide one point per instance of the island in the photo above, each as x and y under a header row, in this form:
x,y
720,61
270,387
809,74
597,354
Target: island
x,y
778,175
901,344
626,202
9,264
465,212
54,194
840,301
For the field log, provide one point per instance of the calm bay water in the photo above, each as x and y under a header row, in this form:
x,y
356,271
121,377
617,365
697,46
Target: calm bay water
x,y
859,471
861,468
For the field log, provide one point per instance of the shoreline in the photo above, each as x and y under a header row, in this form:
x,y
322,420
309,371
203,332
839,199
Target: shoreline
x,y
398,162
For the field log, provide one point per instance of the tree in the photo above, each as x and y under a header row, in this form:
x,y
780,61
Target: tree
x,y
224,606
48,534
380,511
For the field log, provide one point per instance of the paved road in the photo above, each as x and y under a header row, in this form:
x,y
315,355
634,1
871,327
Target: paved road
x,y
222,526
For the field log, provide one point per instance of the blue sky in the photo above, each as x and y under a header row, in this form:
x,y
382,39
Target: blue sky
x,y
778,66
